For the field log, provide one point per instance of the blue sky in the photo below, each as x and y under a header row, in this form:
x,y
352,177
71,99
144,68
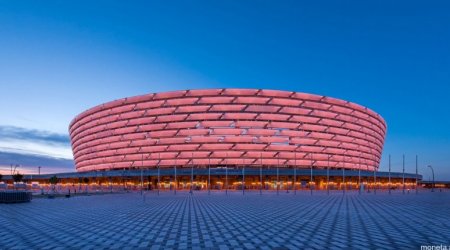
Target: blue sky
x,y
58,58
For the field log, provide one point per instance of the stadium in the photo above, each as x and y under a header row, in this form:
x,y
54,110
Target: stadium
x,y
217,137
233,127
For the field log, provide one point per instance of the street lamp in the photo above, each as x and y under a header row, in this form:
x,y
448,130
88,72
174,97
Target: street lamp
x,y
403,176
417,162
432,171
389,187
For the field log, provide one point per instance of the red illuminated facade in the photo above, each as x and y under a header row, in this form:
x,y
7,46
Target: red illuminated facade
x,y
227,127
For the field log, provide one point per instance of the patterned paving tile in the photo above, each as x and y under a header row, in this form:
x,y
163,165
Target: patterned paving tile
x,y
233,221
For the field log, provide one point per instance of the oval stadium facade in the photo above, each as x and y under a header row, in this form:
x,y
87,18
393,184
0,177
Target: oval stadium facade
x,y
227,127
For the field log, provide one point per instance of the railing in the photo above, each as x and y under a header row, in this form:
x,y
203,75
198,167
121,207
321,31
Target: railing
x,y
15,196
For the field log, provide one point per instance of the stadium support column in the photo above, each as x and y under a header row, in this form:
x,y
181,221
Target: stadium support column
x,y
368,176
192,174
343,177
295,173
110,181
278,173
311,180
159,160
359,174
226,175
175,177
260,176
328,175
142,175
287,178
374,180
209,174
243,177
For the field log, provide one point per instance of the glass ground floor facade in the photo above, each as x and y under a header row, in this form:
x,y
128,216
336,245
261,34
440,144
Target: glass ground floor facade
x,y
243,178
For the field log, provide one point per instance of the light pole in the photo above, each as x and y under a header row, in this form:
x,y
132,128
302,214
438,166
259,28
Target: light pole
x,y
403,176
389,186
417,162
432,184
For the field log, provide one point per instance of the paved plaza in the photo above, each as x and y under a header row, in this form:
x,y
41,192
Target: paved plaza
x,y
219,221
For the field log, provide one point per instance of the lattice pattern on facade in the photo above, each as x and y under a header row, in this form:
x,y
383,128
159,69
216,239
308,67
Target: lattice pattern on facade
x,y
227,127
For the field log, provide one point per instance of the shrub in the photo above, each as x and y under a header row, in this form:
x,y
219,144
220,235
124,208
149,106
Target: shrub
x,y
53,180
17,177
86,181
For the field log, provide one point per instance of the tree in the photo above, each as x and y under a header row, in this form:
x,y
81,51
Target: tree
x,y
80,181
17,177
53,180
86,181
1,177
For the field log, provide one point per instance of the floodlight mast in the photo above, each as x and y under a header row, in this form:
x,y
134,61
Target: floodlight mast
x,y
432,184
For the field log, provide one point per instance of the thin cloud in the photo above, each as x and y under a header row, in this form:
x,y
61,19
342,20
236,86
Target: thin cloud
x,y
34,142
17,133
29,163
